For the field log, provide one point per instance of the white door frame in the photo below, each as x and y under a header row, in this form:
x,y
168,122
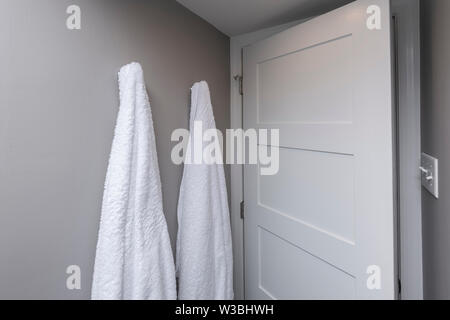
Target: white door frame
x,y
410,228
407,14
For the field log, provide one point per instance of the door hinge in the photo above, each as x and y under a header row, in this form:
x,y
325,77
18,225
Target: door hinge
x,y
240,80
242,210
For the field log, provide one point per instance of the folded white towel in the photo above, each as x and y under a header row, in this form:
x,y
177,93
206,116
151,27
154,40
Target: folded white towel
x,y
204,251
134,258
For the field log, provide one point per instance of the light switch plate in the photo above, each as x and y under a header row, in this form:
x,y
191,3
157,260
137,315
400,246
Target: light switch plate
x,y
430,174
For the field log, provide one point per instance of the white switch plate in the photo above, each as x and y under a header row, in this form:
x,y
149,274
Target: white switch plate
x,y
431,166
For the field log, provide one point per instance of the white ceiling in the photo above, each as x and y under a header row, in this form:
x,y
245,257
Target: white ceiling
x,y
234,17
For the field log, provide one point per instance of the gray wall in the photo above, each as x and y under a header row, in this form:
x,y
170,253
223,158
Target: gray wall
x,y
436,142
58,106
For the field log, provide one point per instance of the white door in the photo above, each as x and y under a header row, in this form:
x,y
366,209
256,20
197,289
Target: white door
x,y
323,227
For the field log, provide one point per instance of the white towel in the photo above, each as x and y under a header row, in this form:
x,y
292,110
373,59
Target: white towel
x,y
134,258
204,250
